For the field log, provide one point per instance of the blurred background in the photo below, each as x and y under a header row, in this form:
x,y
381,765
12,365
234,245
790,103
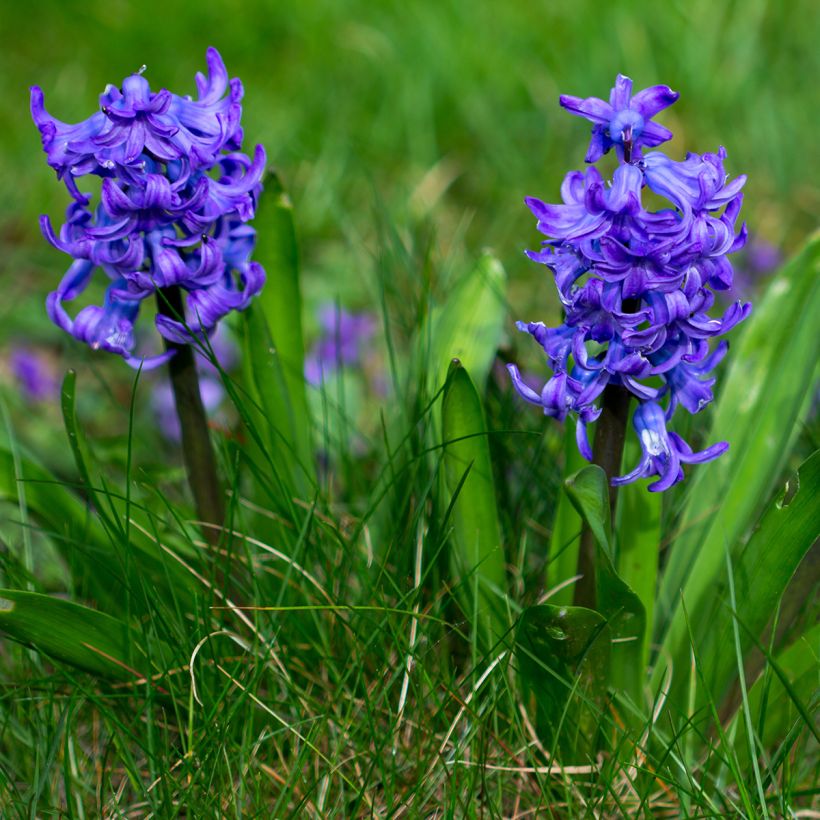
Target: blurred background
x,y
420,126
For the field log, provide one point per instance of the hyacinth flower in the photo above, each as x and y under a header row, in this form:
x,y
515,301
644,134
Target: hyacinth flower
x,y
34,373
663,452
170,227
637,286
223,349
343,335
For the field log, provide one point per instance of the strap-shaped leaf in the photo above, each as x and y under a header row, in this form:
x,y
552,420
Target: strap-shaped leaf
x,y
477,554
274,340
638,541
468,325
620,606
563,656
761,572
74,634
769,382
566,528
757,412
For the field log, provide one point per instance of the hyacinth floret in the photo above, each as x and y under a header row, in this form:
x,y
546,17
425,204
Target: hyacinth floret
x,y
176,196
637,286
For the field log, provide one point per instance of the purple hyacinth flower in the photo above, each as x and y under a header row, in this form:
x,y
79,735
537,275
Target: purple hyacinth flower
x,y
176,197
625,121
561,394
698,183
758,260
637,286
164,406
663,452
34,373
221,347
341,342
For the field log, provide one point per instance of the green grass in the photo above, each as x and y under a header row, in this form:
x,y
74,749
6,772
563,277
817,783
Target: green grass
x,y
334,671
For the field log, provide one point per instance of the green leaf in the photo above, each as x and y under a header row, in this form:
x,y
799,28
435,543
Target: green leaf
x,y
587,490
762,571
566,528
99,546
563,657
477,554
93,554
469,324
274,333
784,707
757,412
74,634
276,418
622,608
76,439
638,535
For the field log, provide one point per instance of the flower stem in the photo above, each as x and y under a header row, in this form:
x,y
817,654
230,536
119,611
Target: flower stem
x,y
197,450
607,451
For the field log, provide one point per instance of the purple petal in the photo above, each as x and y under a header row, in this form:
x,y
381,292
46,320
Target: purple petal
x,y
592,108
650,101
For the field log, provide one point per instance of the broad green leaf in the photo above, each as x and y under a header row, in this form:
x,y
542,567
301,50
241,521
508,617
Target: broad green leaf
x,y
279,307
587,490
622,608
762,571
757,412
566,528
264,373
74,634
468,325
800,663
638,537
477,554
563,657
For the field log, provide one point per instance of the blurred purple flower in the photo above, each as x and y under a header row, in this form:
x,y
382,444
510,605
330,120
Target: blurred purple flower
x,y
225,352
34,373
176,194
755,263
162,403
341,342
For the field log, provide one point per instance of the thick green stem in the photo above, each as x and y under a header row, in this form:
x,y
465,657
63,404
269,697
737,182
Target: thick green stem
x,y
197,450
607,451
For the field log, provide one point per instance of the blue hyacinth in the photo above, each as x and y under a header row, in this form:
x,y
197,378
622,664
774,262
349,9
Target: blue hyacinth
x,y
176,195
637,285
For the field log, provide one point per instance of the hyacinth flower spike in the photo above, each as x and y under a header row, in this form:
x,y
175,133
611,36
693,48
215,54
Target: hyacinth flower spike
x,y
636,287
170,229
